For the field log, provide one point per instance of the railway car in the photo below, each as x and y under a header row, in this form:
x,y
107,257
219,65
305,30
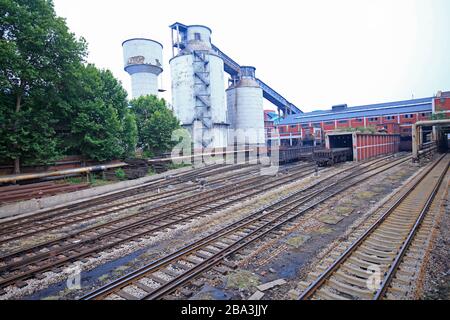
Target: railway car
x,y
328,157
288,155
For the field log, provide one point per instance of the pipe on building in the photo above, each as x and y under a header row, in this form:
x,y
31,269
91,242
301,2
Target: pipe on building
x,y
59,173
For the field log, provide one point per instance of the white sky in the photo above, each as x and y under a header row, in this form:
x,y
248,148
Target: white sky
x,y
315,53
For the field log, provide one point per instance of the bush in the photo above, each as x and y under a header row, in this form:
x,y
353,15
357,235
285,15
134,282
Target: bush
x,y
120,174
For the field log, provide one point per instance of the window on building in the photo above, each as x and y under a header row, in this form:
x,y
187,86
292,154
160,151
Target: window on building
x,y
293,126
343,121
408,116
317,125
389,118
358,120
197,36
426,114
305,125
329,123
373,119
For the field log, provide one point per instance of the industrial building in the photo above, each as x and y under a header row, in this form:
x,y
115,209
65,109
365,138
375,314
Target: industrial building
x,y
391,117
217,117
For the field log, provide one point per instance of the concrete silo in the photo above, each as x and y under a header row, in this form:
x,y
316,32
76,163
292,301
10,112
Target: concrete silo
x,y
198,87
245,109
143,61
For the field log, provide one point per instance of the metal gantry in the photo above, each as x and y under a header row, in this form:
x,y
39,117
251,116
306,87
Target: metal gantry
x,y
233,69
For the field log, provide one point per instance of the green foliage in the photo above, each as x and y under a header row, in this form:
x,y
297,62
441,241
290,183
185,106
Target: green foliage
x,y
130,137
173,166
52,104
37,55
75,180
120,174
438,116
358,129
151,171
99,121
155,124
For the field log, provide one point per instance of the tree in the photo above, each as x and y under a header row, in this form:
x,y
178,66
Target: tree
x,y
155,124
100,125
130,137
37,54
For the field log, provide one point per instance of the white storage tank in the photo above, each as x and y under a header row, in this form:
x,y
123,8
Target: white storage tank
x,y
143,61
245,109
198,94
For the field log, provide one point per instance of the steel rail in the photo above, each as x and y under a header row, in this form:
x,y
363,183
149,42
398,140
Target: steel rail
x,y
226,230
314,286
72,246
392,270
103,211
154,184
181,207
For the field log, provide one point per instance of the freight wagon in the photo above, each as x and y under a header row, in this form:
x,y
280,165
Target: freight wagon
x,y
328,157
288,155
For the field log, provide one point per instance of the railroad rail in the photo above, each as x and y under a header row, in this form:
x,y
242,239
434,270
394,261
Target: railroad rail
x,y
165,275
26,227
151,186
379,251
27,262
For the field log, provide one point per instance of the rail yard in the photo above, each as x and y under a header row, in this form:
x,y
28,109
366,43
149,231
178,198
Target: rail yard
x,y
230,191
227,231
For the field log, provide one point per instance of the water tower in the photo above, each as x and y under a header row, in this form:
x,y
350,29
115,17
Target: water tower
x,y
143,62
198,86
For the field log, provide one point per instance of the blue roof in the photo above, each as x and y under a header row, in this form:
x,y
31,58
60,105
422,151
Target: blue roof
x,y
373,110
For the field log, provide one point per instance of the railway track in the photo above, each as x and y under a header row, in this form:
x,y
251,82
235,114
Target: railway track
x,y
366,269
165,275
64,217
106,199
28,262
172,204
40,224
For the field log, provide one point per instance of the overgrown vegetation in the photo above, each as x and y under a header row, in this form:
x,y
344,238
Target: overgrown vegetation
x,y
120,174
52,103
155,124
358,129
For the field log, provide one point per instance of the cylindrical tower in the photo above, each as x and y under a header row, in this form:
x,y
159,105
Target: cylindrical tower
x,y
245,109
198,88
143,61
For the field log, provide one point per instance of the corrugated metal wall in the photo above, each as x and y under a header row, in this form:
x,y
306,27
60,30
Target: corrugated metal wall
x,y
366,146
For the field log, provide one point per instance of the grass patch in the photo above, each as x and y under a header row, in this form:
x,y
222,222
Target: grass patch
x,y
364,195
103,277
75,180
242,279
344,211
298,241
323,230
151,172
